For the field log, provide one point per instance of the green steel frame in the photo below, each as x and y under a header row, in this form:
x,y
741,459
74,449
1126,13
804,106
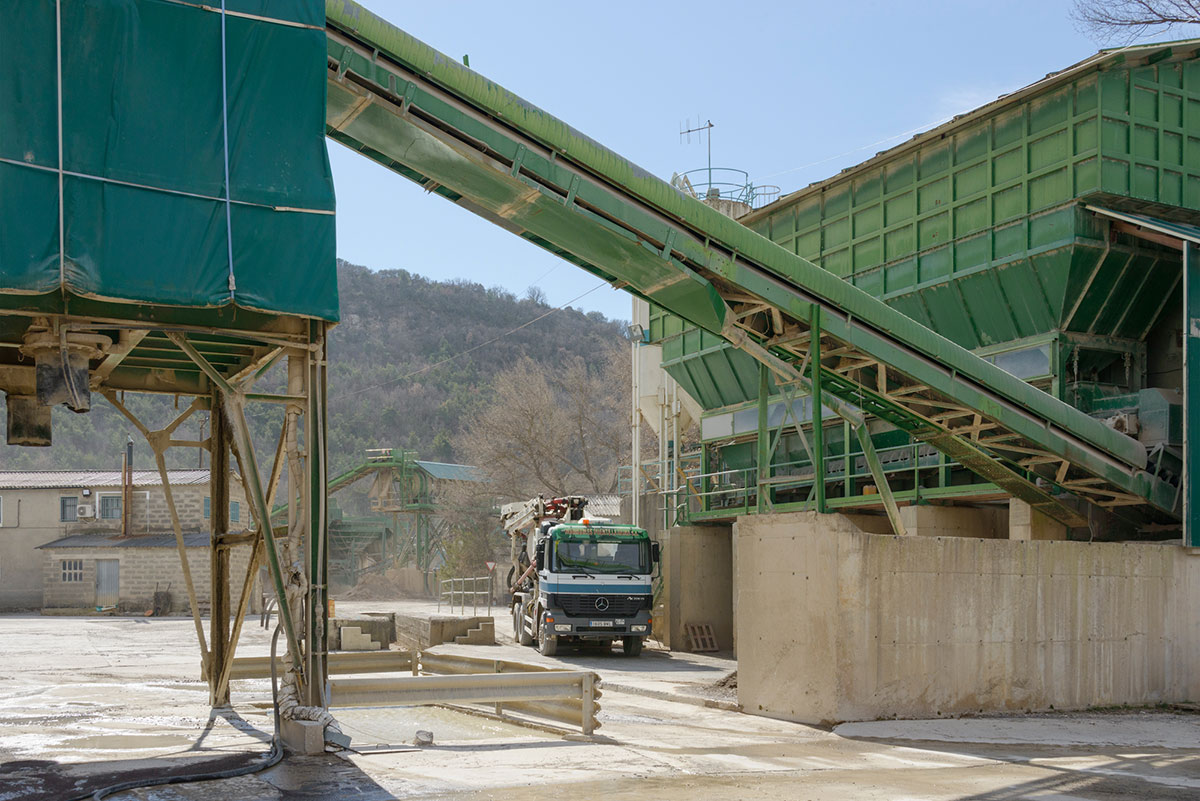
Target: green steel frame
x,y
405,491
428,117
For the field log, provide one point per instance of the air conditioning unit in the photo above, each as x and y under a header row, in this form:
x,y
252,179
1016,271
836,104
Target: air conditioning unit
x,y
85,510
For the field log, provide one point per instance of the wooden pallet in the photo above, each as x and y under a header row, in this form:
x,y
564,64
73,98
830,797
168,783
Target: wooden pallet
x,y
701,637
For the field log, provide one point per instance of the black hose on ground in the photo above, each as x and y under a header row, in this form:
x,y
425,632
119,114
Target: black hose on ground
x,y
270,759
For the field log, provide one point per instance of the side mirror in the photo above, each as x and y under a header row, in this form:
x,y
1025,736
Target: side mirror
x,y
541,555
655,552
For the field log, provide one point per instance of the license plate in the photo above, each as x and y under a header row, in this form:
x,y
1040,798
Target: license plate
x,y
601,623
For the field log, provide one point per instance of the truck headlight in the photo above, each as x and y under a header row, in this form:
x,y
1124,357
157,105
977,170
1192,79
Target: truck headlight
x,y
562,626
637,628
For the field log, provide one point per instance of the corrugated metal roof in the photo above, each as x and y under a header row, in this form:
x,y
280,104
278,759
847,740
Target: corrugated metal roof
x,y
1135,55
54,479
450,472
192,540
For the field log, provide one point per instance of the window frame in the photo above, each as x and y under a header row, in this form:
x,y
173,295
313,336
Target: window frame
x,y
71,571
73,506
101,498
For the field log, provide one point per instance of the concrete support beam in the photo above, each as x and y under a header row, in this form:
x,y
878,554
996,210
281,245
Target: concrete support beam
x,y
1027,523
956,521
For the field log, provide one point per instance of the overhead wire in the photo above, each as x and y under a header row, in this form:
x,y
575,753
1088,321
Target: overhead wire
x,y
472,349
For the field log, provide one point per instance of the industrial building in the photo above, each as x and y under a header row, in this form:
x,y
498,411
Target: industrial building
x,y
1045,232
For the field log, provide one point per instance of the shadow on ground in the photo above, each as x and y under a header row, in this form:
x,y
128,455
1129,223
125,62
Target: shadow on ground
x,y
295,778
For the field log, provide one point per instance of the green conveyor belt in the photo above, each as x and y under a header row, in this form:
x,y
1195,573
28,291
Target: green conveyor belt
x,y
454,132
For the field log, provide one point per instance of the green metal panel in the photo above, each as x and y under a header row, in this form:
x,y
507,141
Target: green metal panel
x,y
973,229
147,216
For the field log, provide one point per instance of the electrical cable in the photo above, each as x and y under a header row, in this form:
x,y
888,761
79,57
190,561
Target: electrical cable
x,y
449,359
270,759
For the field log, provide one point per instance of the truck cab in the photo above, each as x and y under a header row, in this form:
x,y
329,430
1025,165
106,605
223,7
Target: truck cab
x,y
593,586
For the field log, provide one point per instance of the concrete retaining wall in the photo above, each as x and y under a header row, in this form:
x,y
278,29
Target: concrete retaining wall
x,y
836,624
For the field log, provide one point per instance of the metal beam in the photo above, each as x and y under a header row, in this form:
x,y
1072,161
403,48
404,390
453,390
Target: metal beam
x,y
1191,394
881,482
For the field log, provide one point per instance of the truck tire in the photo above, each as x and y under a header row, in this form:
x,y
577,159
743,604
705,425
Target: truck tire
x,y
632,645
522,636
547,642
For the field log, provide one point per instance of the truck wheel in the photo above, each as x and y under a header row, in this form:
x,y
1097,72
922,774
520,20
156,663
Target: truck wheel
x,y
522,636
631,645
547,642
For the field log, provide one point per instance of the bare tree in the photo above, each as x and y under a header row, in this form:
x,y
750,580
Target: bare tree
x,y
554,431
1128,20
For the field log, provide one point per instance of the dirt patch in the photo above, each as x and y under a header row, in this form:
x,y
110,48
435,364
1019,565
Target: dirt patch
x,y
396,583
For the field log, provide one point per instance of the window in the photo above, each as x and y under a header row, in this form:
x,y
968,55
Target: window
x,y
110,507
67,508
207,508
72,569
235,512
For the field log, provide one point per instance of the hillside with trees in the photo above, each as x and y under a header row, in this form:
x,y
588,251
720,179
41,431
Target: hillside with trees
x,y
410,365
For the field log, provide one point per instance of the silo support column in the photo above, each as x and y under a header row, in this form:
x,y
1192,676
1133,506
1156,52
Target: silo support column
x,y
1191,394
763,493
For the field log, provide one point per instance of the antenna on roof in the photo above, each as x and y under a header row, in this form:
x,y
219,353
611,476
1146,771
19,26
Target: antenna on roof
x,y
700,131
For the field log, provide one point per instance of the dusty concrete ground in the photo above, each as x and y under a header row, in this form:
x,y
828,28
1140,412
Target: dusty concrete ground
x,y
85,700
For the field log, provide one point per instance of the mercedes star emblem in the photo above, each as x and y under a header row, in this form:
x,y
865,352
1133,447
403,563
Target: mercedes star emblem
x,y
601,604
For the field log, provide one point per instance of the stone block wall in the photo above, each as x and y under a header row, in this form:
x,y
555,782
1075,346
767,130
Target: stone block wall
x,y
837,624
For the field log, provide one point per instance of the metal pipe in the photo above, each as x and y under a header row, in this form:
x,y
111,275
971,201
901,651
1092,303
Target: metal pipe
x,y
635,477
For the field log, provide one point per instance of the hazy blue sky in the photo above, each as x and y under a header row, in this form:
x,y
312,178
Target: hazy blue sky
x,y
797,91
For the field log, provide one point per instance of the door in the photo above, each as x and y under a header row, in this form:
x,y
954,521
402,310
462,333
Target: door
x,y
108,582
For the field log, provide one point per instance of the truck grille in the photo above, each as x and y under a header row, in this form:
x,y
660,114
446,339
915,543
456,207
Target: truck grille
x,y
618,605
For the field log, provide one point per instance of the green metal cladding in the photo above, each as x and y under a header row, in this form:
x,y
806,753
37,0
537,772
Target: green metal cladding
x,y
160,102
975,229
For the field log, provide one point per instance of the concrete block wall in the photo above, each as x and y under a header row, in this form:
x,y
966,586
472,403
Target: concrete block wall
x,y
68,594
837,624
151,514
141,570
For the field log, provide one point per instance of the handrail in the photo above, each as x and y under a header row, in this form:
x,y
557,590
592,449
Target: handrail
x,y
452,588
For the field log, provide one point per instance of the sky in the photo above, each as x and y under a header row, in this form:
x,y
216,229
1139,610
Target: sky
x,y
796,90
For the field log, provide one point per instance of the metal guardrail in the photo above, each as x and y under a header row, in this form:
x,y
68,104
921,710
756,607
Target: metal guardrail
x,y
456,588
572,710
567,696
342,662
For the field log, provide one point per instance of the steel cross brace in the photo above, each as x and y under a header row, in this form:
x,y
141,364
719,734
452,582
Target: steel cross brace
x,y
241,433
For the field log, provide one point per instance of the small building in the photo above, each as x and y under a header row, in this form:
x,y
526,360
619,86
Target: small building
x,y
111,571
78,515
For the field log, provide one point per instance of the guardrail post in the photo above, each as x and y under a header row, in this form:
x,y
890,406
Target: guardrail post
x,y
588,703
497,667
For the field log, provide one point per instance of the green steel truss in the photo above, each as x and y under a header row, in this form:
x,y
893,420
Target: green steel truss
x,y
429,118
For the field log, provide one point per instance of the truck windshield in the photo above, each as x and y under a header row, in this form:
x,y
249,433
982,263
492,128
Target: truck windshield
x,y
599,555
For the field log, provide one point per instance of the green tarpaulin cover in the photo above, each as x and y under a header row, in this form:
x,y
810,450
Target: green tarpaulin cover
x,y
151,125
